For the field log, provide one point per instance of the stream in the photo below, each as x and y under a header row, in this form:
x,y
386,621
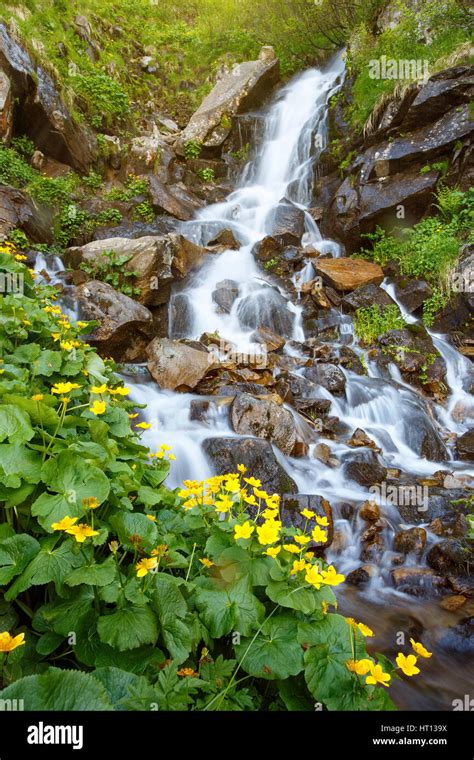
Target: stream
x,y
389,410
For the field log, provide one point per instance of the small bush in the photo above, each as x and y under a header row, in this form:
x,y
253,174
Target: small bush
x,y
373,321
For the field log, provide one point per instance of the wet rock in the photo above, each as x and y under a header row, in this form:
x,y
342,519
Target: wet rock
x,y
373,549
177,366
225,294
449,555
266,249
226,239
125,326
364,468
361,575
264,419
452,603
256,454
286,224
410,541
6,108
412,349
292,506
181,315
17,211
413,294
268,338
365,296
174,200
348,274
157,260
266,308
322,452
462,584
417,581
198,410
351,361
360,438
237,388
370,511
239,90
327,375
465,446
420,505
460,638
313,407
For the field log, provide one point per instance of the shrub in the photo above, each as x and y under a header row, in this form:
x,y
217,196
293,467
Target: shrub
x,y
207,175
192,150
106,101
373,321
171,600
110,268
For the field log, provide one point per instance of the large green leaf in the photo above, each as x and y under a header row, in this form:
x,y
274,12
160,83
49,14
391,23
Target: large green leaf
x,y
294,596
48,565
275,653
228,608
94,575
19,464
133,524
171,609
39,412
48,362
15,424
72,479
125,690
128,628
15,554
58,691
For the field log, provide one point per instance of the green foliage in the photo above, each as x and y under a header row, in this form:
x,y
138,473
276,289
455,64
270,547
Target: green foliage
x,y
19,239
92,181
110,268
106,101
373,321
207,175
192,150
133,187
143,212
23,145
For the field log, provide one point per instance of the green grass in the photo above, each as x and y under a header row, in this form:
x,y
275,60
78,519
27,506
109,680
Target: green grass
x,y
373,321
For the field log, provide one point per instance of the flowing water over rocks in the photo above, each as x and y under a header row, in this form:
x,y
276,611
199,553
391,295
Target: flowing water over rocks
x,y
306,408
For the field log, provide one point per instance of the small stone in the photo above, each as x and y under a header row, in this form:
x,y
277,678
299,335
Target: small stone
x,y
452,603
360,575
370,511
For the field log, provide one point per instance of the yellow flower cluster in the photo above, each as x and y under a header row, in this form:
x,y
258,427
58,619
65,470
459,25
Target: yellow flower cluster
x,y
80,532
10,250
162,452
375,673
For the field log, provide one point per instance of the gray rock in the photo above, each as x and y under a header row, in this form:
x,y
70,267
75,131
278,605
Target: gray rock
x,y
264,419
328,375
177,366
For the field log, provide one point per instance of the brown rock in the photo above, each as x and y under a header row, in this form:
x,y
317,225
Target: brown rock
x,y
348,274
360,438
370,511
264,419
360,575
411,541
177,366
452,603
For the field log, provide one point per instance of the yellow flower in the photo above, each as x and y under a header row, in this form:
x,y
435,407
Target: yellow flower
x,y
268,532
81,532
26,322
273,551
9,643
151,517
292,548
98,407
64,524
224,504
249,499
160,550
253,482
120,391
20,257
298,566
98,389
260,494
270,514
67,345
133,416
206,562
172,457
407,664
378,676
90,502
37,397
143,425
322,521
313,576
81,325
365,630
420,649
144,566
361,667
189,672
243,531
332,578
319,535
62,388
302,539
308,513
242,468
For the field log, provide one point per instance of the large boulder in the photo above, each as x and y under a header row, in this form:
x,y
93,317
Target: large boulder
x,y
267,308
244,87
264,418
17,210
348,274
365,296
173,199
256,454
6,108
330,376
413,294
286,224
364,467
465,446
177,366
125,326
42,113
157,260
